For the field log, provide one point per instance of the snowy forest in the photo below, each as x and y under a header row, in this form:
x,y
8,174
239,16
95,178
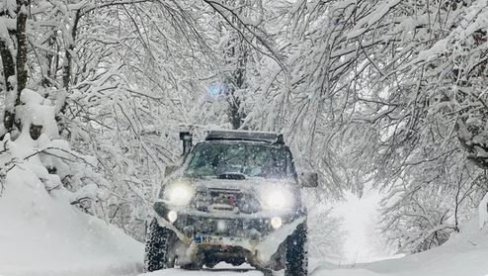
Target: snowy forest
x,y
383,95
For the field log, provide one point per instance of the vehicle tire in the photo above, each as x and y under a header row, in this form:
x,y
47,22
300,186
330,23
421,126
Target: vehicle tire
x,y
297,253
158,245
211,263
192,266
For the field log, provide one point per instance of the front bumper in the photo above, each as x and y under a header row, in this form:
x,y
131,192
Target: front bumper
x,y
253,235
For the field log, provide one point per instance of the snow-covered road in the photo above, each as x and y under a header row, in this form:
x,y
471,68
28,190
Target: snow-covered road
x,y
219,270
215,272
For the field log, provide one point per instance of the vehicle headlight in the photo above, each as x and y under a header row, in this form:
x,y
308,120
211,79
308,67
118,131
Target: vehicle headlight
x,y
179,193
277,199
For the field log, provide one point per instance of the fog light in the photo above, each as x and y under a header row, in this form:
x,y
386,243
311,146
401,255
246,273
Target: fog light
x,y
221,226
172,216
276,222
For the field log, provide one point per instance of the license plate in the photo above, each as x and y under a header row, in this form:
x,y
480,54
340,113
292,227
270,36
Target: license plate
x,y
200,239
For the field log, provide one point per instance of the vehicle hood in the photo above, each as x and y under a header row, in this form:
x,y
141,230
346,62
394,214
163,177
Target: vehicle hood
x,y
254,184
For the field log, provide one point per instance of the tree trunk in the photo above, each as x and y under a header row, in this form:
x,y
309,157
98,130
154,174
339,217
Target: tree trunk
x,y
22,6
8,63
69,52
9,72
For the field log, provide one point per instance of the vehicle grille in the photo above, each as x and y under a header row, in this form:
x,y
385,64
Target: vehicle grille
x,y
225,201
227,227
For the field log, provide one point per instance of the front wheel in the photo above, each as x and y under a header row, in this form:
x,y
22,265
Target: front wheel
x,y
158,246
297,253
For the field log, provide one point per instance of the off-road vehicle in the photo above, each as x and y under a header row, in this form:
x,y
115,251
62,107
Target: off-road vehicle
x,y
235,198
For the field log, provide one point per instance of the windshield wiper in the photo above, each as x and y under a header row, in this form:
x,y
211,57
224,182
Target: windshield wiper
x,y
232,176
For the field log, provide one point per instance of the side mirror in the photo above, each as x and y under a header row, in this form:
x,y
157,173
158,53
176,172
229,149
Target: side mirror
x,y
169,169
308,179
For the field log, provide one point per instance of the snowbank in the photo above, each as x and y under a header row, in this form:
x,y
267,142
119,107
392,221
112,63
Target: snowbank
x,y
43,235
465,254
40,232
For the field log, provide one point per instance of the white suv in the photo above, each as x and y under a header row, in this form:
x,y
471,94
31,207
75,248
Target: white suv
x,y
236,198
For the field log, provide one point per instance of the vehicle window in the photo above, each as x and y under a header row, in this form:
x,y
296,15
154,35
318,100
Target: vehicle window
x,y
253,160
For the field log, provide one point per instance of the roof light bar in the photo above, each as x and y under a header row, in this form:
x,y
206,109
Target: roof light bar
x,y
270,137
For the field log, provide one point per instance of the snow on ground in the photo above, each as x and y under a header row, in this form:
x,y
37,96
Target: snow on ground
x,y
216,272
43,235
363,241
178,272
221,269
466,254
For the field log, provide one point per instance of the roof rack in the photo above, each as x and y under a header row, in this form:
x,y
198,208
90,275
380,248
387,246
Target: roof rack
x,y
270,137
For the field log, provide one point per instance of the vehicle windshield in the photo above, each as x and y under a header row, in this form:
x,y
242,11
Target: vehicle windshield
x,y
249,159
